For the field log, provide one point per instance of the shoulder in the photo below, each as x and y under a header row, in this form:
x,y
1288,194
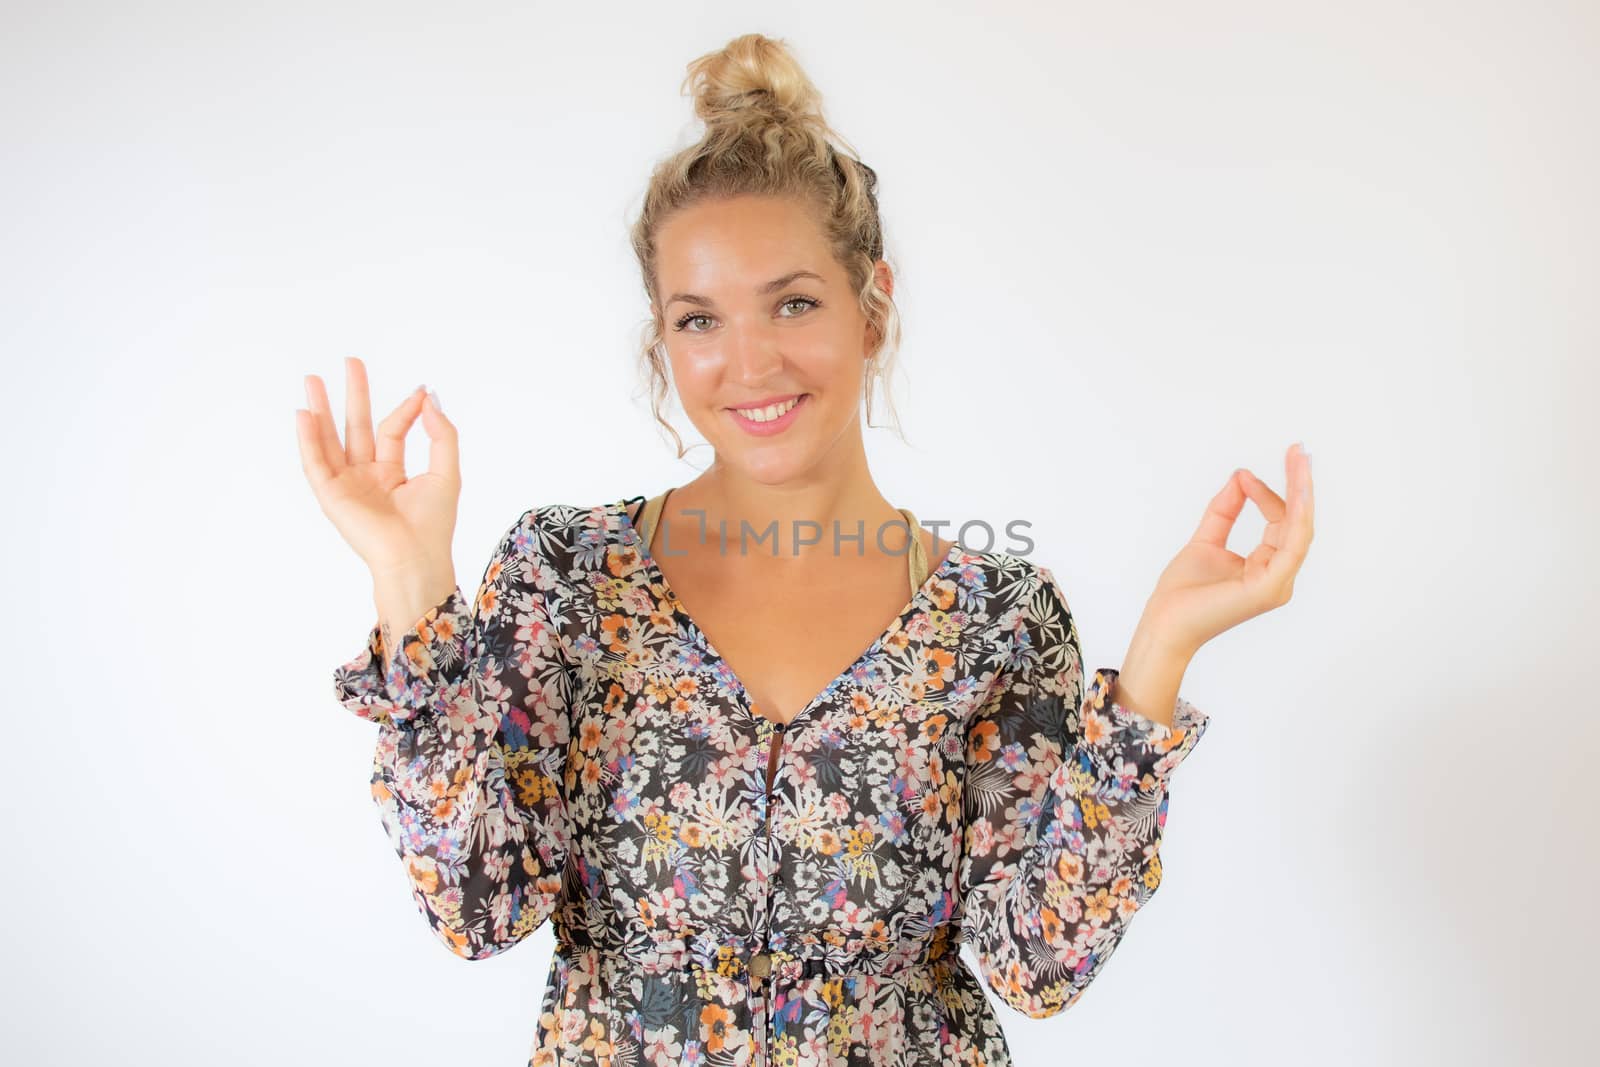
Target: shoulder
x,y
564,534
558,520
1026,590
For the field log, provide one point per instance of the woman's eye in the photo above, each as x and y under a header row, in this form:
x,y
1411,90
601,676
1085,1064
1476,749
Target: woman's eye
x,y
805,302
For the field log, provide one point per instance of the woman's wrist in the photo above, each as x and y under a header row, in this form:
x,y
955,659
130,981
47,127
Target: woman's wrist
x,y
402,597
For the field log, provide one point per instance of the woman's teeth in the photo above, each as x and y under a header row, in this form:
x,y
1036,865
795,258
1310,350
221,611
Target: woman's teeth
x,y
768,413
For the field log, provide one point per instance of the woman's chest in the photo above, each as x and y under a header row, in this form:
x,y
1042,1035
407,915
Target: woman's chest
x,y
669,800
782,650
785,634
666,738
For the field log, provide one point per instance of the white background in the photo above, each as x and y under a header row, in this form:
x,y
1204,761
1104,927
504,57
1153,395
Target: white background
x,y
1138,245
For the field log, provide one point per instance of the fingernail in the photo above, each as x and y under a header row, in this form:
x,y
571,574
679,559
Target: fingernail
x,y
433,398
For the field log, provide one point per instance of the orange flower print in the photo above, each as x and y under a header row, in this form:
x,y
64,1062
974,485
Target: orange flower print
x,y
983,741
714,1021
618,632
623,560
937,664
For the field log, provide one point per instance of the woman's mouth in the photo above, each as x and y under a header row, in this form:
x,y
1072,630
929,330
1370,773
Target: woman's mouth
x,y
768,419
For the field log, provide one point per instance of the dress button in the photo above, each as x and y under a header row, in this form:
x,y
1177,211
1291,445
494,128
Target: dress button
x,y
760,965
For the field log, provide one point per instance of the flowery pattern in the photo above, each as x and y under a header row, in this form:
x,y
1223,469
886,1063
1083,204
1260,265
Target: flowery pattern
x,y
569,746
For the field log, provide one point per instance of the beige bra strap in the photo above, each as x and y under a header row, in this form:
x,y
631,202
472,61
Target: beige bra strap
x,y
917,555
649,515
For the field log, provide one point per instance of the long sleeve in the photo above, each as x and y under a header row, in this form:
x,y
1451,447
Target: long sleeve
x,y
468,773
1064,803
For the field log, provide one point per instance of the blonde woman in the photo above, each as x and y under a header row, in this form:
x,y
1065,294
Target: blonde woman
x,y
763,795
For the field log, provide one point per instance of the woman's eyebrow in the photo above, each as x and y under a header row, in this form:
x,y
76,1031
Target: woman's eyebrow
x,y
773,286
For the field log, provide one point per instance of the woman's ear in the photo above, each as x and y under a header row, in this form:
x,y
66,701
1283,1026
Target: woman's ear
x,y
883,276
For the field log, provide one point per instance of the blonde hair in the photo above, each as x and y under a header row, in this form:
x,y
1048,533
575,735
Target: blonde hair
x,y
765,134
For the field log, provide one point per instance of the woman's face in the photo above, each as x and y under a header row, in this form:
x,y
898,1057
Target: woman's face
x,y
757,315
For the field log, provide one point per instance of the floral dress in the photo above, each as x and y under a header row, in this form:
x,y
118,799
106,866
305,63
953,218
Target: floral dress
x,y
568,746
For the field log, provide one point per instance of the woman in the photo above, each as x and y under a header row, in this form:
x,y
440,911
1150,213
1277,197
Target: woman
x,y
774,863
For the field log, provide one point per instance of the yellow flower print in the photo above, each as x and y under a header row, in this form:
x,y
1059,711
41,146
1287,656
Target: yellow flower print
x,y
658,689
1094,812
841,1024
1152,873
533,786
1098,906
659,825
526,923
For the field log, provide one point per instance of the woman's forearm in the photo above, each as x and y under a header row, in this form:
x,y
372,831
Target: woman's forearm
x,y
1150,676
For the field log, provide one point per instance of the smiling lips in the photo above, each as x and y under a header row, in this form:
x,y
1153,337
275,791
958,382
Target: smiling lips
x,y
770,418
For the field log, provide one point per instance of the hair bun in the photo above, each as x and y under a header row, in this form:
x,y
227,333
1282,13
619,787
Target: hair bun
x,y
753,77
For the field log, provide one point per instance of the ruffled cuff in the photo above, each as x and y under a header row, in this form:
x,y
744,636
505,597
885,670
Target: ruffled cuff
x,y
422,674
1121,755
1126,752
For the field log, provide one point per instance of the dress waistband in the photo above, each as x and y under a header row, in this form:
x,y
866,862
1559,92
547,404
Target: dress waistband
x,y
737,958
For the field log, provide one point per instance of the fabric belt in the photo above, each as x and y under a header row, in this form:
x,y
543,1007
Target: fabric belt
x,y
757,962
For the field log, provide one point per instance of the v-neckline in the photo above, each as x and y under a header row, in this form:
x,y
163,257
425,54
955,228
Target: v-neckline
x,y
681,614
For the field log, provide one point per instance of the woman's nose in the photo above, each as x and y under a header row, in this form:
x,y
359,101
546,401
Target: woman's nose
x,y
752,352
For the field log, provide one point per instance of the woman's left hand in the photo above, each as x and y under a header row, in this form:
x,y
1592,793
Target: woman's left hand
x,y
1207,589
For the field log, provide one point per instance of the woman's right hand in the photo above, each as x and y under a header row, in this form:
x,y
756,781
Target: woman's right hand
x,y
397,525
